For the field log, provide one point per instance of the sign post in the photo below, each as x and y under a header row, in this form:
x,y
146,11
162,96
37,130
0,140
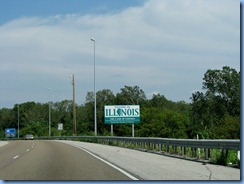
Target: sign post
x,y
122,114
112,130
133,131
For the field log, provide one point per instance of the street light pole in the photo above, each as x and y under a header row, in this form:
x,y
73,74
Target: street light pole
x,y
49,113
18,121
95,102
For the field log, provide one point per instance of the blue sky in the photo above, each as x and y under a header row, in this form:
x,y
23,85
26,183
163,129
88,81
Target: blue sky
x,y
13,9
161,46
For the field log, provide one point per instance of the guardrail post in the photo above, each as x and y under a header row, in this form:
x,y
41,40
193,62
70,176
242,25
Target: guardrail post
x,y
167,148
175,149
183,150
159,147
207,153
226,153
154,146
193,150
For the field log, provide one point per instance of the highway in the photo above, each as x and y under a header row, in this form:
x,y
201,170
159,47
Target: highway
x,y
48,160
73,160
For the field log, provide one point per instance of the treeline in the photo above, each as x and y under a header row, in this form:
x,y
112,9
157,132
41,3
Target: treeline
x,y
213,114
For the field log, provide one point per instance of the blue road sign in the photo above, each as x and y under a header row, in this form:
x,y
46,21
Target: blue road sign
x,y
10,132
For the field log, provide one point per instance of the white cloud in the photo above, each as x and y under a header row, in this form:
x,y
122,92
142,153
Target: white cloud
x,y
163,46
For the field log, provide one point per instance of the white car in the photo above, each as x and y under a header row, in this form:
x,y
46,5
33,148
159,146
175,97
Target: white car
x,y
29,137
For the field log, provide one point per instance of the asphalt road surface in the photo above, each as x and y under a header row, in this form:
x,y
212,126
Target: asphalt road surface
x,y
74,160
149,166
50,160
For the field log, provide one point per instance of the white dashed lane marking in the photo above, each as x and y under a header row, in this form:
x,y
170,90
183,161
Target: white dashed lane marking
x,y
16,157
33,145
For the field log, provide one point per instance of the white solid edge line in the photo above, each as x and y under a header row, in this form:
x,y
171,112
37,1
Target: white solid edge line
x,y
115,167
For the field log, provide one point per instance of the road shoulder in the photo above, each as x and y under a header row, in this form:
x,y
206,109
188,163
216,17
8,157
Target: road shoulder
x,y
2,143
157,167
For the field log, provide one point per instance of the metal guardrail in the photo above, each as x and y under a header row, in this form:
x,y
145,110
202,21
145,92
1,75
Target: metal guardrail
x,y
216,144
192,143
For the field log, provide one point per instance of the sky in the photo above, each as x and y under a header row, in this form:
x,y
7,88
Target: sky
x,y
162,46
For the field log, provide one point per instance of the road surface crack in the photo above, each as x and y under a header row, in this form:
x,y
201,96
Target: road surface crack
x,y
210,175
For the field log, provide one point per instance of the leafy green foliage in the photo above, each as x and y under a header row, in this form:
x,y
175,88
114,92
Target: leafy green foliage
x,y
214,113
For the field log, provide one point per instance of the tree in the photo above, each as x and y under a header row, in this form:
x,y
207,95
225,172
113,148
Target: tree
x,y
104,97
158,101
224,84
62,112
221,99
34,117
130,96
89,111
156,122
7,120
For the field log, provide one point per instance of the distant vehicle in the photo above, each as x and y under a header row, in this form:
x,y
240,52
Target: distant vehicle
x,y
29,137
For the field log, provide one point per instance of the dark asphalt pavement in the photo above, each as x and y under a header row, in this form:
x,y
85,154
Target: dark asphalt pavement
x,y
49,160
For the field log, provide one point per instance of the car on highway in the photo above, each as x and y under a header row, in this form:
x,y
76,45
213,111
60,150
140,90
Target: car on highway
x,y
29,137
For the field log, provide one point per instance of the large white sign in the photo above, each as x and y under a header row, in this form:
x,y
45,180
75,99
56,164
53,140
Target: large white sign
x,y
120,114
60,126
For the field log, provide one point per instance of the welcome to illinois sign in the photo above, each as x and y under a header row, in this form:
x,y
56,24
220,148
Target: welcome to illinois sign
x,y
121,114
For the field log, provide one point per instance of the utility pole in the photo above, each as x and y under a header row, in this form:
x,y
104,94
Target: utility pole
x,y
74,108
49,109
